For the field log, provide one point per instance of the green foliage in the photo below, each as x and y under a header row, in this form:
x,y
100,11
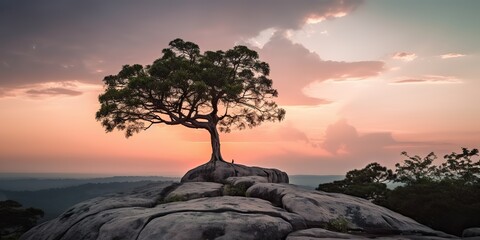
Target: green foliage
x,y
444,197
339,224
15,220
446,206
416,169
185,87
458,167
461,167
366,183
235,190
372,173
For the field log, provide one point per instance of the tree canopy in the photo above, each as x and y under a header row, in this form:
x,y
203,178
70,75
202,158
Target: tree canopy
x,y
443,196
229,89
368,183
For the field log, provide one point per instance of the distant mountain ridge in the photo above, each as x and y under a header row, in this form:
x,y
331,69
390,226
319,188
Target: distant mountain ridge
x,y
39,183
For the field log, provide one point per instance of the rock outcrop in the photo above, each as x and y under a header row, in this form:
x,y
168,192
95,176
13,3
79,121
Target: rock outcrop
x,y
241,208
219,171
319,208
471,233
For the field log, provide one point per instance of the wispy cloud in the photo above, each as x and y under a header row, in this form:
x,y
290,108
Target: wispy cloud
x,y
4,92
53,92
49,89
428,79
314,19
404,56
452,55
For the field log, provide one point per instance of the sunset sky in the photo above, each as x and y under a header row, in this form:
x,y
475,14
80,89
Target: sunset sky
x,y
361,81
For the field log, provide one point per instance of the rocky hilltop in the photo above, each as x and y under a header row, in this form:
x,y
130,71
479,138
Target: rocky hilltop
x,y
238,203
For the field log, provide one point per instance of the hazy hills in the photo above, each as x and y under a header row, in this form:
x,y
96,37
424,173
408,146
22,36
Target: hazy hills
x,y
39,182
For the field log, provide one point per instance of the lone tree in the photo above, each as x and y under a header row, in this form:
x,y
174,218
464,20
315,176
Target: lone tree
x,y
225,90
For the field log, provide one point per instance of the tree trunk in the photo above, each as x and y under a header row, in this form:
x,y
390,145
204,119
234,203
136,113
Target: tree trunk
x,y
215,141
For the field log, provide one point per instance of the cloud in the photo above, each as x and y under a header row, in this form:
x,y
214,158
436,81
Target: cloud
x,y
344,139
4,92
452,55
293,67
404,56
77,33
314,19
53,92
344,148
49,89
428,79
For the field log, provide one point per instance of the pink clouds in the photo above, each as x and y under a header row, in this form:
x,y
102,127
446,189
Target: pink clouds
x,y
343,148
314,19
452,55
429,79
342,138
62,52
293,67
49,89
60,40
53,91
404,56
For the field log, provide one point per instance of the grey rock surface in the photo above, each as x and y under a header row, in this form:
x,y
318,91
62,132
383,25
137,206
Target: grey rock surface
x,y
230,217
198,210
193,190
471,232
246,181
319,208
219,171
412,237
320,233
211,225
102,207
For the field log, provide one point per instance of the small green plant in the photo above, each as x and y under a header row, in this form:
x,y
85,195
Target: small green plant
x,y
234,190
339,224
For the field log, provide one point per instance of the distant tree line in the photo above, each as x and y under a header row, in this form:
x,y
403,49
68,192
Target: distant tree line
x,y
444,197
15,220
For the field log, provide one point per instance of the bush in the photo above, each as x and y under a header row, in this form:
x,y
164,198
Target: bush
x,y
15,220
235,190
444,197
339,224
446,206
366,183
